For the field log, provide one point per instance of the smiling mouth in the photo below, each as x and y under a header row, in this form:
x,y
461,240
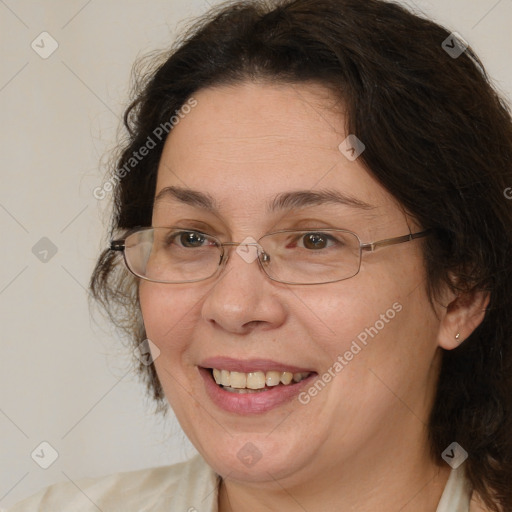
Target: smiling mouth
x,y
255,382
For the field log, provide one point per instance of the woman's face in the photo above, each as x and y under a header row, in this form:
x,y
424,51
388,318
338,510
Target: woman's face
x,y
370,339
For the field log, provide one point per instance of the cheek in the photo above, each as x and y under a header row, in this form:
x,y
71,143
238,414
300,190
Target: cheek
x,y
384,323
168,314
354,311
169,319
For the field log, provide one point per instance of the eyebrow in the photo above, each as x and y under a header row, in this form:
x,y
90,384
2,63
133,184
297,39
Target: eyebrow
x,y
284,201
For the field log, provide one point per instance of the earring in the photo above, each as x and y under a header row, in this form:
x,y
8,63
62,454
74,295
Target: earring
x,y
457,336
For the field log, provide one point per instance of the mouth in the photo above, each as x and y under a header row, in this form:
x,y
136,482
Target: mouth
x,y
255,382
252,387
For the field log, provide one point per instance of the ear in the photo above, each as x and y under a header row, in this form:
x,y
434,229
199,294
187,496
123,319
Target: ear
x,y
461,317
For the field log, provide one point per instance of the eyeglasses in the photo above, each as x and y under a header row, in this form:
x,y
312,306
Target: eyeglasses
x,y
314,256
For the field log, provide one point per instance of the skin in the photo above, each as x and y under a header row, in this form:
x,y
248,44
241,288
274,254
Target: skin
x,y
361,443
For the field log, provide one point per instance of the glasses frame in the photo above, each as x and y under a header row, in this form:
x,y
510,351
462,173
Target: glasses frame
x,y
118,245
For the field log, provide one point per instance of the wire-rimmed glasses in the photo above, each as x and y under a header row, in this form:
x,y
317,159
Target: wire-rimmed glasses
x,y
176,255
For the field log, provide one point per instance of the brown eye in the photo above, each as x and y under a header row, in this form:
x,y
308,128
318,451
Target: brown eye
x,y
316,241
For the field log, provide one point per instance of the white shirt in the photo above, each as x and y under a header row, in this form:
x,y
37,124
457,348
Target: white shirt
x,y
190,486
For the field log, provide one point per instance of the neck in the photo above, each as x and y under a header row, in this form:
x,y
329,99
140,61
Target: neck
x,y
400,483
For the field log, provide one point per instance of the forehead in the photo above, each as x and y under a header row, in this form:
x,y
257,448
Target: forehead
x,y
246,146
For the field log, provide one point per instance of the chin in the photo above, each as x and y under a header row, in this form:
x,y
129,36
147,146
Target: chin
x,y
253,458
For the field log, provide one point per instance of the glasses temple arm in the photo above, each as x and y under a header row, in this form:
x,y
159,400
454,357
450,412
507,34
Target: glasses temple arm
x,y
392,241
117,245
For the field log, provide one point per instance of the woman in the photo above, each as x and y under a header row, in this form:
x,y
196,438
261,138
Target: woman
x,y
312,208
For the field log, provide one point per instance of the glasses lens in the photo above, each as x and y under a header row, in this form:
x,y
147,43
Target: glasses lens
x,y
311,257
171,255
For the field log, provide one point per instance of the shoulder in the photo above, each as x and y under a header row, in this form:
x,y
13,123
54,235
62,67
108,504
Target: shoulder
x,y
181,486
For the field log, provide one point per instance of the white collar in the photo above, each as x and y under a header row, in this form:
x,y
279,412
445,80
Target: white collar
x,y
456,495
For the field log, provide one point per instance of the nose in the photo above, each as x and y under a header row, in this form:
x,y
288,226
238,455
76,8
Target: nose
x,y
243,297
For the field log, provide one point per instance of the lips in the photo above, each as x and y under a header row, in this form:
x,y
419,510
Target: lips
x,y
254,397
252,365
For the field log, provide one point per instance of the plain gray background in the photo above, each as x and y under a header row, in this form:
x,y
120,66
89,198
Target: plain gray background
x,y
65,379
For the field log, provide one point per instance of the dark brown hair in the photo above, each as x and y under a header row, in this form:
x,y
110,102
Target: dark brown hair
x,y
438,138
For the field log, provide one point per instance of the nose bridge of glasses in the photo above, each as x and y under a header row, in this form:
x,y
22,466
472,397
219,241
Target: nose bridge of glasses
x,y
255,243
239,243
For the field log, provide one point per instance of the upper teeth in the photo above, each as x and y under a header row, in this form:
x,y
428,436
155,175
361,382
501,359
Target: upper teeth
x,y
256,380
